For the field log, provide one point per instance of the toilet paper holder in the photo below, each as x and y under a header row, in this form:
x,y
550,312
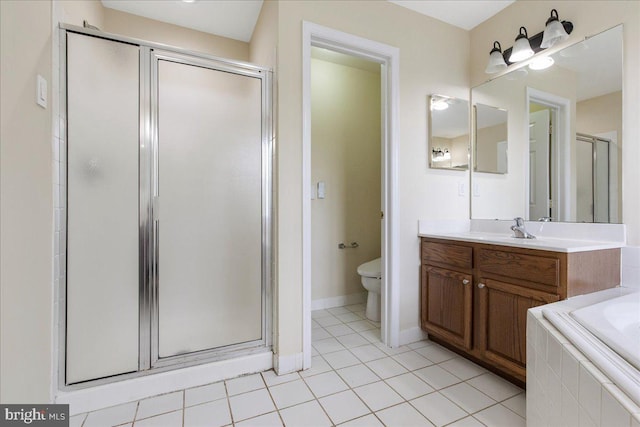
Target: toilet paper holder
x,y
353,245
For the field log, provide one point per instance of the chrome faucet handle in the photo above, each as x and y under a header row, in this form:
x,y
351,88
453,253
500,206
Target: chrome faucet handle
x,y
520,231
545,219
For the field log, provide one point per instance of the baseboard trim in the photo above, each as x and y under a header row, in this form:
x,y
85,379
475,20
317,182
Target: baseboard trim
x,y
288,364
339,301
407,336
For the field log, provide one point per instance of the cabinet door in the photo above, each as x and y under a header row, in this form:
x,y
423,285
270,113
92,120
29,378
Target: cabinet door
x,y
503,322
446,304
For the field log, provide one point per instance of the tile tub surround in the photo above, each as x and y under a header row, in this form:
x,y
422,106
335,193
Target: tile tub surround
x,y
563,386
630,266
354,380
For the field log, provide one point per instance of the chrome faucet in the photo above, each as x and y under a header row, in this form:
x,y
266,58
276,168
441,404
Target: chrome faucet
x,y
519,230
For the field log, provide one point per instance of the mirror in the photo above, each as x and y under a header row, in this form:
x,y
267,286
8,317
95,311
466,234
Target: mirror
x,y
490,139
564,132
448,132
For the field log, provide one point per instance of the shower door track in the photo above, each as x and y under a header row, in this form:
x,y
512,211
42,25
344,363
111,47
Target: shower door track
x,y
149,361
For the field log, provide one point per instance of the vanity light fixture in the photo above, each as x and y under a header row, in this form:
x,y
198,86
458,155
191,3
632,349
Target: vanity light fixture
x,y
439,105
522,48
496,60
440,154
554,31
541,63
440,102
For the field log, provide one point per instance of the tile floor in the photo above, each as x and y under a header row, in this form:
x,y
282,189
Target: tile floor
x,y
354,381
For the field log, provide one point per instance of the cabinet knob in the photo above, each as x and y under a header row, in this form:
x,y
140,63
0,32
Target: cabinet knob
x,y
480,285
465,281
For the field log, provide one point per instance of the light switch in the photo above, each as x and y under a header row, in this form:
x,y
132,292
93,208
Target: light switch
x,y
321,190
41,91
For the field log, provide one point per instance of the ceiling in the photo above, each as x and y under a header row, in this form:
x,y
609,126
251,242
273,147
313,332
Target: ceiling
x,y
466,14
597,62
228,18
236,19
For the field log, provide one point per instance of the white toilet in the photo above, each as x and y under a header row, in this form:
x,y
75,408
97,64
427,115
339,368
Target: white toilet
x,y
371,275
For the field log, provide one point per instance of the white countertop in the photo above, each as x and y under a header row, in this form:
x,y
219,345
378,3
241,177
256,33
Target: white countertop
x,y
541,243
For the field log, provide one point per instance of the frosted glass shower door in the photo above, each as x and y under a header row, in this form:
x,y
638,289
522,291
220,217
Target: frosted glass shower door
x,y
584,174
209,224
102,285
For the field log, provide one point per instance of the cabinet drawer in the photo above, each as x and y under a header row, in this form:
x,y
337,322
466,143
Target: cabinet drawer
x,y
443,253
544,270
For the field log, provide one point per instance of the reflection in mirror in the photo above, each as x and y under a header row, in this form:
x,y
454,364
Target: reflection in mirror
x,y
448,132
490,139
570,151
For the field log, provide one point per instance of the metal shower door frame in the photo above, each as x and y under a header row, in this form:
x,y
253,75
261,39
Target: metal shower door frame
x,y
595,160
148,360
155,56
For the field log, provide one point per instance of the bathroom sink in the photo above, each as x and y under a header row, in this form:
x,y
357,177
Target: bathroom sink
x,y
541,243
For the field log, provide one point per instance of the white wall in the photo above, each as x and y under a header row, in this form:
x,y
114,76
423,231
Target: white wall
x,y
345,155
425,45
26,204
126,24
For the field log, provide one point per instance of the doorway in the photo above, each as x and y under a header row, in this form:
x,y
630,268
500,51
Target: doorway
x,y
548,175
346,152
540,142
388,58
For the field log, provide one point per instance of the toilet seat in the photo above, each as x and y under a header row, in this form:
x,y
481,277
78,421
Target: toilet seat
x,y
371,269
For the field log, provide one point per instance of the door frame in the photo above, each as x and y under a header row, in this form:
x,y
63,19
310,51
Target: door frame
x,y
539,125
560,152
389,58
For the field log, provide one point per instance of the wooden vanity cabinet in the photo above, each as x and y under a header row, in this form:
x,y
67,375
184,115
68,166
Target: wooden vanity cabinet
x,y
446,292
475,297
502,323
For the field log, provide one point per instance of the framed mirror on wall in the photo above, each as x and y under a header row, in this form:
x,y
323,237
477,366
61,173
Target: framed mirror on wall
x,y
564,128
448,135
490,139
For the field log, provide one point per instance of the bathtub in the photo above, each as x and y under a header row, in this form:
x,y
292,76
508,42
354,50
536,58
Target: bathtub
x,y
583,361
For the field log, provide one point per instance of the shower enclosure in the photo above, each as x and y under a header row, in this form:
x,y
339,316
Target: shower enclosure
x,y
593,175
168,208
